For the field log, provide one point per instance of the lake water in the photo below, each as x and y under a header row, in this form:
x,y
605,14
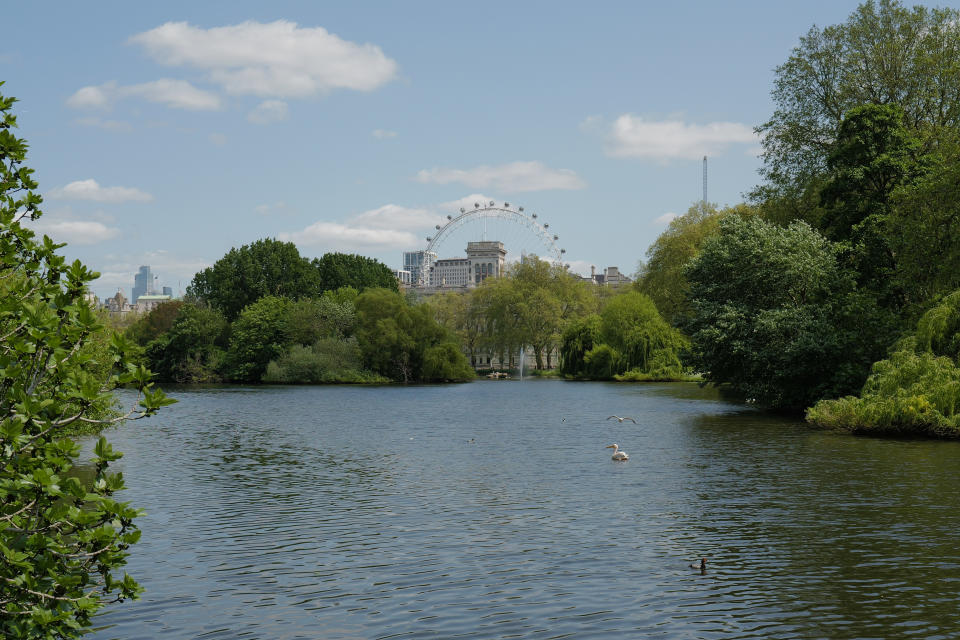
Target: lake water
x,y
493,510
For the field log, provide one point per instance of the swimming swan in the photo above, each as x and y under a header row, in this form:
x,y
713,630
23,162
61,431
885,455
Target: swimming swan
x,y
617,454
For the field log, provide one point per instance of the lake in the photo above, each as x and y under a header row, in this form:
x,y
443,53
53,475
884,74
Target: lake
x,y
493,510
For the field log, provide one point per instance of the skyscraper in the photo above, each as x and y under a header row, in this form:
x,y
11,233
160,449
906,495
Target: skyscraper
x,y
142,284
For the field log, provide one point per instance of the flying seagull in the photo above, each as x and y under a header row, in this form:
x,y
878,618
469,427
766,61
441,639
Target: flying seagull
x,y
619,419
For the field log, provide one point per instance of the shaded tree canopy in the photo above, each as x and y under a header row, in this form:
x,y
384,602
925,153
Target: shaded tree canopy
x,y
883,54
776,316
336,270
263,268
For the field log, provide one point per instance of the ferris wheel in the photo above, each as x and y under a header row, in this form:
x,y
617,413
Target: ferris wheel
x,y
522,233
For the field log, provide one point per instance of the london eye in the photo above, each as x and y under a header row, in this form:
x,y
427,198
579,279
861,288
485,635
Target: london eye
x,y
521,232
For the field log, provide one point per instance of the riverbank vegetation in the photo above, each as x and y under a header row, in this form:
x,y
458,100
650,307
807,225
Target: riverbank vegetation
x,y
835,286
63,542
288,320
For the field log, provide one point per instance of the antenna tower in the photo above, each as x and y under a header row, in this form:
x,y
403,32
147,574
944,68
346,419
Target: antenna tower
x,y
704,179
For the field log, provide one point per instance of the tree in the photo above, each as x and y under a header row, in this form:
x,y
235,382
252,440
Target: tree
x,y
662,277
579,339
62,544
631,324
264,268
192,350
396,338
915,391
258,336
336,270
873,156
883,54
313,319
155,323
923,230
776,317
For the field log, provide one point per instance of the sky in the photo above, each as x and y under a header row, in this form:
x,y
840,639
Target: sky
x,y
166,133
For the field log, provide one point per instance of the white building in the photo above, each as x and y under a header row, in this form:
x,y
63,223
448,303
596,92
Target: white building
x,y
611,277
484,260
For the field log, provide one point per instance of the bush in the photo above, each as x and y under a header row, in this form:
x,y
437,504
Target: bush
x,y
327,361
915,391
446,363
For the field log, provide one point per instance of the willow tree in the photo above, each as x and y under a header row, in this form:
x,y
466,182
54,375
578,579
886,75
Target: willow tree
x,y
62,542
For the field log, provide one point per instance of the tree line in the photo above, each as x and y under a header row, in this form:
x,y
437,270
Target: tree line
x,y
264,313
834,287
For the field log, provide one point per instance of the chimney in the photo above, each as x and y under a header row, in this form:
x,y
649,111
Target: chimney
x,y
593,272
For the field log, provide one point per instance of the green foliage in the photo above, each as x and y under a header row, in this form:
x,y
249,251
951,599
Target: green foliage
x,y
62,544
264,268
192,351
777,318
662,277
258,336
395,337
580,337
329,360
445,363
337,270
915,391
631,325
874,155
154,324
884,53
629,335
312,319
602,362
923,228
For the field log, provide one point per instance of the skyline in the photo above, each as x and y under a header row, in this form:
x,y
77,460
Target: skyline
x,y
167,136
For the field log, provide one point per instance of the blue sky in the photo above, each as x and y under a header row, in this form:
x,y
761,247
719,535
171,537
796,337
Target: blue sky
x,y
167,133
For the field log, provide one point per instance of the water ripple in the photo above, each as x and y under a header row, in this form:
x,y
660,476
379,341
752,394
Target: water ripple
x,y
474,511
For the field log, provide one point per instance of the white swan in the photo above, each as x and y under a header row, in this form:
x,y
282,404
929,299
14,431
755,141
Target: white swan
x,y
617,454
619,419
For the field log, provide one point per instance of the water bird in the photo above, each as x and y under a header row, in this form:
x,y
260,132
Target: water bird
x,y
619,456
702,565
619,419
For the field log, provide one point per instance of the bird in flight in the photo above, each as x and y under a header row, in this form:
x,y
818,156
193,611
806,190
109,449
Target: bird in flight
x,y
619,419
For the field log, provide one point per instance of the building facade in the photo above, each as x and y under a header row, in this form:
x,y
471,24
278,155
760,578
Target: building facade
x,y
143,284
486,260
418,263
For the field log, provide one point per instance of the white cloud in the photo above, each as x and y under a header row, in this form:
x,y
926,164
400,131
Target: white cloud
x,y
391,216
218,139
272,209
178,94
273,59
268,111
75,232
109,125
511,178
467,202
93,97
334,235
632,136
91,190
383,133
666,218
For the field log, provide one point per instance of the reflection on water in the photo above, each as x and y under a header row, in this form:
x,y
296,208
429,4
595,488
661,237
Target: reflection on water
x,y
492,510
